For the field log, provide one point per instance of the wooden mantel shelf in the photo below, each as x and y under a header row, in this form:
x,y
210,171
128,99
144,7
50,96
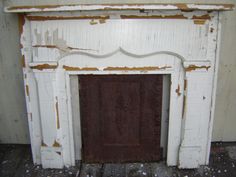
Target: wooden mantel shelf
x,y
88,7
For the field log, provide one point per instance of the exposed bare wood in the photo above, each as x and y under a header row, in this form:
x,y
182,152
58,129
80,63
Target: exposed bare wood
x,y
43,66
145,68
71,68
194,67
44,18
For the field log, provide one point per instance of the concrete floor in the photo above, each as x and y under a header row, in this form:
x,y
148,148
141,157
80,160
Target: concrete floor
x,y
15,161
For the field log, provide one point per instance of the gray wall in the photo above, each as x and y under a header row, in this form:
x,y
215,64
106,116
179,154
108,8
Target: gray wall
x,y
225,114
13,121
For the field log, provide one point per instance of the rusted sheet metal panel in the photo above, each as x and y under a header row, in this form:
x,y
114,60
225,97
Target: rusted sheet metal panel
x,y
125,128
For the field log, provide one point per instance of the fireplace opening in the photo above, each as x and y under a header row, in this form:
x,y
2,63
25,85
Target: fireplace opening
x,y
120,118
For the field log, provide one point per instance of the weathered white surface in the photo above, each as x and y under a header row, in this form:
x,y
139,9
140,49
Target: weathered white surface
x,y
92,7
129,37
13,118
125,46
61,2
74,84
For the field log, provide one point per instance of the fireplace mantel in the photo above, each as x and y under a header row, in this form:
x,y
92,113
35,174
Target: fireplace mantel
x,y
181,40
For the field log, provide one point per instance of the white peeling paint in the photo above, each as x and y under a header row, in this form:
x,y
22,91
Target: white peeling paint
x,y
91,7
177,47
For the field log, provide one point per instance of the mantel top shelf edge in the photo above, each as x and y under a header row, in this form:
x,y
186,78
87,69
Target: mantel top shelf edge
x,y
103,7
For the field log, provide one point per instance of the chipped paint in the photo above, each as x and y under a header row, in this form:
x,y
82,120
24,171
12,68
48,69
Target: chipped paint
x,y
57,114
176,16
23,61
27,90
93,22
178,90
44,66
59,153
180,16
194,67
44,18
101,21
62,47
184,99
87,7
182,6
199,22
147,68
56,144
211,6
21,22
70,68
185,84
43,144
212,30
205,17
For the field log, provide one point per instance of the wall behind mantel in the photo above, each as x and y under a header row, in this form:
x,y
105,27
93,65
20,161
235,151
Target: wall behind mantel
x,y
13,120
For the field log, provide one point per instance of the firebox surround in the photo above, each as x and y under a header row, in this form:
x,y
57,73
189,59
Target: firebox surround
x,y
57,45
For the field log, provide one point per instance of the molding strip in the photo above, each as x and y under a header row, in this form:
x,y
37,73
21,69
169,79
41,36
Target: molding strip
x,y
90,7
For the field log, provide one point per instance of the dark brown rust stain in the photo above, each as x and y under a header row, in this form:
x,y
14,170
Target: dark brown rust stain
x,y
44,18
57,113
194,67
178,91
27,89
56,144
43,66
23,61
71,68
21,22
153,17
147,68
